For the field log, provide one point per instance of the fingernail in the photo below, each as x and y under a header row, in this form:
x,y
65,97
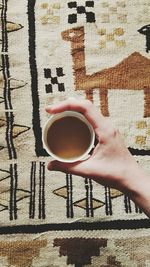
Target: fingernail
x,y
49,109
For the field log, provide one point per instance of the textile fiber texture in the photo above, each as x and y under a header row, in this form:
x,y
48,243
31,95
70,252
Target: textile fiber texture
x,y
51,50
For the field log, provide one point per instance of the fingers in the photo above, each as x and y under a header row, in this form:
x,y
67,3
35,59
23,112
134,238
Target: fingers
x,y
102,125
83,106
80,168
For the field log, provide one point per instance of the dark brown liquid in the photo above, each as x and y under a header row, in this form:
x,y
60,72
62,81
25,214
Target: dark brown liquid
x,y
68,137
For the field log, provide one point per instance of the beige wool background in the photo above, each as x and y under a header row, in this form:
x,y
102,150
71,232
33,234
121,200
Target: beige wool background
x,y
108,41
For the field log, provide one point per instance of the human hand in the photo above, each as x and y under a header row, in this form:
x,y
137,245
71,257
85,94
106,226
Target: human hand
x,y
110,160
110,163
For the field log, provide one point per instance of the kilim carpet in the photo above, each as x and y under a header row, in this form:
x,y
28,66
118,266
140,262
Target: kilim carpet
x,y
50,50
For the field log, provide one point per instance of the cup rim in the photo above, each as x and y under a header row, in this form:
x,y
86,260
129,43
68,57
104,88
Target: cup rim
x,y
60,115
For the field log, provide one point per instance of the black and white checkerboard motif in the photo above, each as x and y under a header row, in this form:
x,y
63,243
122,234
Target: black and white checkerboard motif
x,y
55,78
81,9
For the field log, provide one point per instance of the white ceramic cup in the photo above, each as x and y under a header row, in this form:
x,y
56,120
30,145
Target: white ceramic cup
x,y
60,115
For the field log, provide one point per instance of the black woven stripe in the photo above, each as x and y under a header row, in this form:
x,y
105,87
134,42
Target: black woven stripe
x,y
34,81
6,77
127,203
89,198
13,190
4,56
101,225
108,201
42,191
32,191
9,135
69,201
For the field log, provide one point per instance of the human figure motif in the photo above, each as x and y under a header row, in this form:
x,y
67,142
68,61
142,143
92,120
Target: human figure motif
x,y
146,31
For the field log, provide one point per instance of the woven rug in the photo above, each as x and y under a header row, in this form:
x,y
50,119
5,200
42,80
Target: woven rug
x,y
51,50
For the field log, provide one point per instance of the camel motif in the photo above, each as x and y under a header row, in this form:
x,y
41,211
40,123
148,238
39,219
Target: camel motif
x,y
133,73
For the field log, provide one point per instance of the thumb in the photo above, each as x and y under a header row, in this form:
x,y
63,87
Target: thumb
x,y
78,168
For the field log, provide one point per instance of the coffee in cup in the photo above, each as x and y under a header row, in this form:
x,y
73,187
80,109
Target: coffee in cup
x,y
68,136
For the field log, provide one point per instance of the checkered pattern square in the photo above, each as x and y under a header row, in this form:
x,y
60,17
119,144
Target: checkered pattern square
x,y
81,9
54,76
112,12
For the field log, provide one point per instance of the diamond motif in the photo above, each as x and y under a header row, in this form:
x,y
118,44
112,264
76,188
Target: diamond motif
x,y
61,192
115,193
96,203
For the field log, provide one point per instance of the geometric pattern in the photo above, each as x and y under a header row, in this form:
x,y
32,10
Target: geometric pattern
x,y
62,192
94,249
55,59
95,203
113,12
143,138
90,203
54,79
75,247
81,9
24,251
51,13
115,37
11,26
50,51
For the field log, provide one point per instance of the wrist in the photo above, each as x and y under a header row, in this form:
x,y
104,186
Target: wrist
x,y
137,187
